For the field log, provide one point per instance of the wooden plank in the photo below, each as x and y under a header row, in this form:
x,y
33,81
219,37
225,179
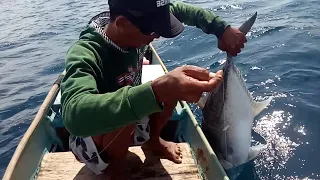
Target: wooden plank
x,y
63,165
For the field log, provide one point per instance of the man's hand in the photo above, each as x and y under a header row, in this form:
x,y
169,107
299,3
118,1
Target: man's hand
x,y
145,61
185,83
231,41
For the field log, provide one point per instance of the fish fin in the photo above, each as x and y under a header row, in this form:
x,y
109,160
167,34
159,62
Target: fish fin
x,y
225,164
203,99
234,172
246,26
257,107
257,137
243,83
254,151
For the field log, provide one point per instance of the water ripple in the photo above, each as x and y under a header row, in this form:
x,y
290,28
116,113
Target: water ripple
x,y
279,59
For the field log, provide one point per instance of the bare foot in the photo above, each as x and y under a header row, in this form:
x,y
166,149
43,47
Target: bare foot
x,y
164,149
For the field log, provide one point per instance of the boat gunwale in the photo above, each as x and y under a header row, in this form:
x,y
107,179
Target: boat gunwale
x,y
46,104
196,125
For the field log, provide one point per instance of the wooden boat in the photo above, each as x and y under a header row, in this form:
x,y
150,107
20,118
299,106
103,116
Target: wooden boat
x,y
43,151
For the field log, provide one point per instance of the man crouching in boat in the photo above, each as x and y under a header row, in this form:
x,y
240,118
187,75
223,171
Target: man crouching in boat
x,y
105,107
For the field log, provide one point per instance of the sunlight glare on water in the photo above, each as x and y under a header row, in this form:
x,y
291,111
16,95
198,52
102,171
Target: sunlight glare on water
x,y
280,147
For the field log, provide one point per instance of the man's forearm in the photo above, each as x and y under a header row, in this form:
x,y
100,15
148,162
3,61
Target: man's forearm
x,y
192,15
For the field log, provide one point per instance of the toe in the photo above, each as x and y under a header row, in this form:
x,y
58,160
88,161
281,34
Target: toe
x,y
177,151
178,159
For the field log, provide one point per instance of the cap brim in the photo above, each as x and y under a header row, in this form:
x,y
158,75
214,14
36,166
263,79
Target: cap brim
x,y
167,27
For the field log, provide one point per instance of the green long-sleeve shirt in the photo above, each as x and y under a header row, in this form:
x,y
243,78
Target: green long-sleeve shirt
x,y
102,88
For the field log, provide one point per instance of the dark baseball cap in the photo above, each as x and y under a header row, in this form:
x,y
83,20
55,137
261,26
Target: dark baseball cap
x,y
149,16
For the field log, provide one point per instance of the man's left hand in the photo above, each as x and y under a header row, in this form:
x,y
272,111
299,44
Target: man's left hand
x,y
231,41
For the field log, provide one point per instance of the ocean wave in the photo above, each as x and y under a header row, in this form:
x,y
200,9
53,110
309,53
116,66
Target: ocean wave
x,y
260,31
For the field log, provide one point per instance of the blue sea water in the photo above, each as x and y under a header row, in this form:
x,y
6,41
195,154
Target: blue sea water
x,y
279,59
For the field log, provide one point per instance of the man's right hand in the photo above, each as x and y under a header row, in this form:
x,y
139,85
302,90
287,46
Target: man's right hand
x,y
232,41
185,83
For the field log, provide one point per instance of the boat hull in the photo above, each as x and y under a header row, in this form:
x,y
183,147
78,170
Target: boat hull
x,y
47,134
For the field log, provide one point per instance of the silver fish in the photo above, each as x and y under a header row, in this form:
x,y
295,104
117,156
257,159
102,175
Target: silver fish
x,y
228,114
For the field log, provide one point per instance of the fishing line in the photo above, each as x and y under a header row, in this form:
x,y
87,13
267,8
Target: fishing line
x,y
106,145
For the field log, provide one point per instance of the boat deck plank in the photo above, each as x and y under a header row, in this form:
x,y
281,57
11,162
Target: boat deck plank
x,y
63,165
